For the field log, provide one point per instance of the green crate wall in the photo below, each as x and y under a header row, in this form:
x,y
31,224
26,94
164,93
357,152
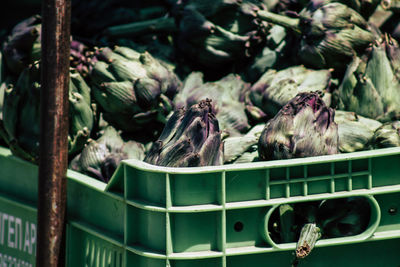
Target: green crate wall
x,y
212,216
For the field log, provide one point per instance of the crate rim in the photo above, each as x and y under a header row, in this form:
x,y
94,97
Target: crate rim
x,y
141,165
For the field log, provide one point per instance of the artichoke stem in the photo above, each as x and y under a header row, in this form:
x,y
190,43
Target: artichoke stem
x,y
284,21
309,235
287,221
158,25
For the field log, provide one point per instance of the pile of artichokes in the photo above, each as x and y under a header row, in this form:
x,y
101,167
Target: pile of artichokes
x,y
197,83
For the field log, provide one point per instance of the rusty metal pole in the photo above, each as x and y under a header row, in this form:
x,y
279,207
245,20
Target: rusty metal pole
x,y
53,161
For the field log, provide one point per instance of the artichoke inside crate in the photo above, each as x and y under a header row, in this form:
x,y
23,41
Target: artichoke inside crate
x,y
210,216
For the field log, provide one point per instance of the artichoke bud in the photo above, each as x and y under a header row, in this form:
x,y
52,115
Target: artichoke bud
x,y
190,138
388,135
243,149
332,33
22,114
111,138
126,52
109,165
343,34
100,158
78,84
20,48
226,93
80,114
130,88
125,70
370,86
276,88
93,155
304,127
234,147
355,132
133,150
147,92
222,33
110,95
78,141
393,54
100,73
80,58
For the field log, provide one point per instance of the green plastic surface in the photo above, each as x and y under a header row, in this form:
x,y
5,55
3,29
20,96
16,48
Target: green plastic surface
x,y
209,216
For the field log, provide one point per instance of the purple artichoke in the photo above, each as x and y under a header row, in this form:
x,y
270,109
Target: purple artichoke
x,y
304,127
224,93
22,46
190,138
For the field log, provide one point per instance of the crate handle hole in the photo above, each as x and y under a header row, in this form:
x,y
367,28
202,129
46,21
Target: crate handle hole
x,y
238,226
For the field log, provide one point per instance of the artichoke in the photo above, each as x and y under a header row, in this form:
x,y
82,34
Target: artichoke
x,y
304,127
225,93
331,34
371,85
100,158
81,58
278,53
134,90
22,46
388,135
214,34
355,132
21,113
364,7
276,88
190,138
242,149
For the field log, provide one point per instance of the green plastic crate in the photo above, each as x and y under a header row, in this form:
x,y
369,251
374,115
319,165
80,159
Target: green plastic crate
x,y
88,203
212,216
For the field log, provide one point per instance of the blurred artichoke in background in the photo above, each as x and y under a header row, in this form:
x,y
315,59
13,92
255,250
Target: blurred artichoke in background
x,y
278,53
134,89
304,127
100,158
190,138
332,33
355,132
371,85
388,135
276,88
364,7
22,46
216,34
81,58
21,115
225,94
